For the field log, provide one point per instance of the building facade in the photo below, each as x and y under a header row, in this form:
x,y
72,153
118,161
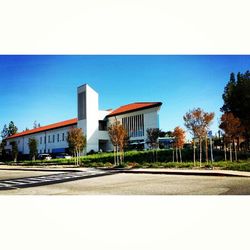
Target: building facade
x,y
136,119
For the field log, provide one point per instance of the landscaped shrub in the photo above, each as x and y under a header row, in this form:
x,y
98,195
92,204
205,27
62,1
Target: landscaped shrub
x,y
240,165
144,159
132,164
108,164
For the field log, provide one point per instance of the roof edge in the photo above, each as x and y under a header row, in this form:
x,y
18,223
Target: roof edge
x,y
44,128
157,104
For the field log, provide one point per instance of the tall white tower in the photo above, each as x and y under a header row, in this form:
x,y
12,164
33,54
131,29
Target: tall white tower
x,y
88,110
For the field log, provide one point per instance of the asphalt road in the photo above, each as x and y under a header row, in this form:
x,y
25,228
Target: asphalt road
x,y
139,184
10,174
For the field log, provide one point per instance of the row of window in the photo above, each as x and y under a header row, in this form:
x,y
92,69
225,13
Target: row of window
x,y
51,139
45,152
134,125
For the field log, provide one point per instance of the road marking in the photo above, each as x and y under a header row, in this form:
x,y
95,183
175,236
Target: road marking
x,y
21,182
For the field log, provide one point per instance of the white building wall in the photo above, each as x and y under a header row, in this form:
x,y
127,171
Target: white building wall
x,y
151,120
90,111
103,135
23,146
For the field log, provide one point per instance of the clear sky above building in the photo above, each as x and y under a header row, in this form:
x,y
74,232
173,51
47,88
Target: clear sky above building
x,y
43,88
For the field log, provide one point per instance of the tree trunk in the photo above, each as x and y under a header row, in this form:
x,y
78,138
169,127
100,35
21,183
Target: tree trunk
x,y
200,151
117,156
225,152
76,158
74,153
176,153
235,151
173,154
230,151
180,155
153,156
194,153
116,162
120,152
206,150
79,157
114,157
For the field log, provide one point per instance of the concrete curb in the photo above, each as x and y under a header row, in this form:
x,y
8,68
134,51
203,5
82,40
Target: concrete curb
x,y
228,173
183,172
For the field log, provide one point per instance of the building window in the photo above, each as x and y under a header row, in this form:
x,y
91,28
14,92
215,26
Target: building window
x,y
102,125
82,105
134,125
44,139
41,141
62,136
49,139
53,138
58,137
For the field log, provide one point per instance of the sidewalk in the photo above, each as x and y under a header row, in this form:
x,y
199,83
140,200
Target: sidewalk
x,y
201,172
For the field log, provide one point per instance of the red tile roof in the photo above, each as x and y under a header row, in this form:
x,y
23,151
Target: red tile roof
x,y
44,128
134,107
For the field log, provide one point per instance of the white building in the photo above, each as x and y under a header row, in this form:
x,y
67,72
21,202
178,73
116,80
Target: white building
x,y
136,119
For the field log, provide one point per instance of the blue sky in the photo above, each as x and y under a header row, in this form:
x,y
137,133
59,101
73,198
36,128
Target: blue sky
x,y
43,88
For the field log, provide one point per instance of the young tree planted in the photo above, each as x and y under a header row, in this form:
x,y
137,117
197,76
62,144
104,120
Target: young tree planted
x,y
119,138
152,140
77,142
179,135
197,122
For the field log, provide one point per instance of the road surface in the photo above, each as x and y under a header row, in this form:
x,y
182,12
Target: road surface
x,y
130,184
